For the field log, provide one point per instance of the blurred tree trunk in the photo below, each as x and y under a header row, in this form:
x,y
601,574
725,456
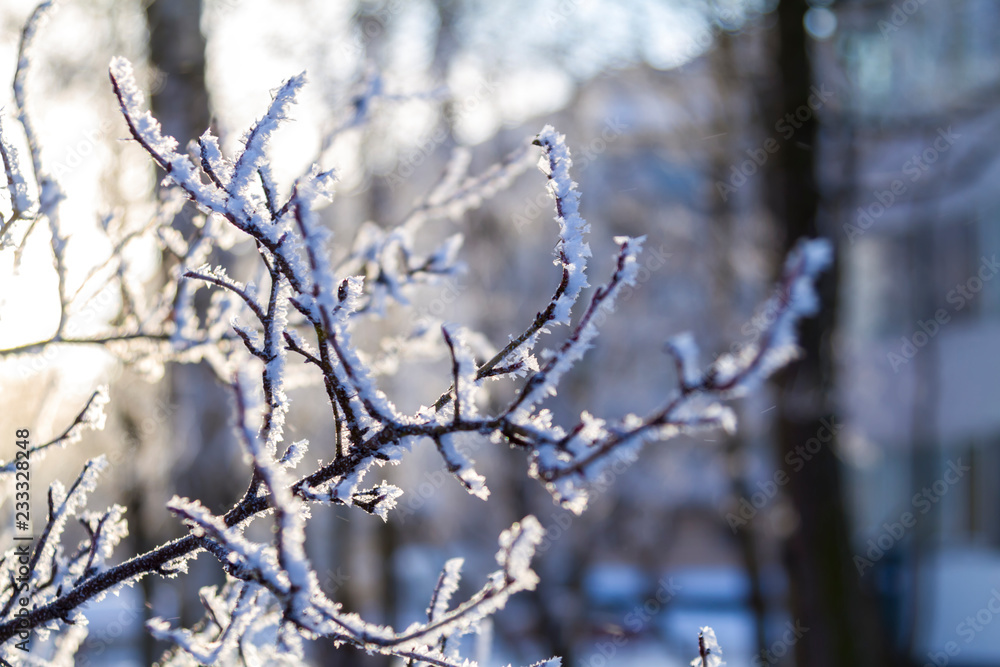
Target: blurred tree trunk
x,y
731,81
826,596
180,101
177,51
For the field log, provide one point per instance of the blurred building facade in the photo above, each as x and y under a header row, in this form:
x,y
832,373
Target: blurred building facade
x,y
910,176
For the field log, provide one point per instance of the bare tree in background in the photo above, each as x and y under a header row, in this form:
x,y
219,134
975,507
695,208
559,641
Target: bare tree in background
x,y
302,305
826,593
179,99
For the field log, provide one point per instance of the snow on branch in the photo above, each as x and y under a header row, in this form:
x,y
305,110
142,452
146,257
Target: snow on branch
x,y
307,309
24,63
457,192
253,156
571,253
147,131
543,383
52,567
572,250
567,462
709,651
92,417
218,641
735,374
215,165
447,585
388,257
17,186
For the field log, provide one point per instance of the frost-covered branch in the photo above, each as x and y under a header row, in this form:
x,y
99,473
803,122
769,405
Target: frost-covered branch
x,y
49,193
306,305
709,651
17,186
92,417
43,575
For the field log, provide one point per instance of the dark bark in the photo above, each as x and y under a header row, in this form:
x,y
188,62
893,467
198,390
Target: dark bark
x,y
728,75
827,596
179,100
177,50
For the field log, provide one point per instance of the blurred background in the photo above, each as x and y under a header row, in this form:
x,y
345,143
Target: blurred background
x,y
854,519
